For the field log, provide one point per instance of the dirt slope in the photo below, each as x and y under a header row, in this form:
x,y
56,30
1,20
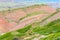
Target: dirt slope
x,y
12,16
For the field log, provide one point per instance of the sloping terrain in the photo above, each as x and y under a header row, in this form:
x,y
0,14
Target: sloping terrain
x,y
29,22
16,15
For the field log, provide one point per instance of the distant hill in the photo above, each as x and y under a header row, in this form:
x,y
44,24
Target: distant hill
x,y
23,15
16,14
